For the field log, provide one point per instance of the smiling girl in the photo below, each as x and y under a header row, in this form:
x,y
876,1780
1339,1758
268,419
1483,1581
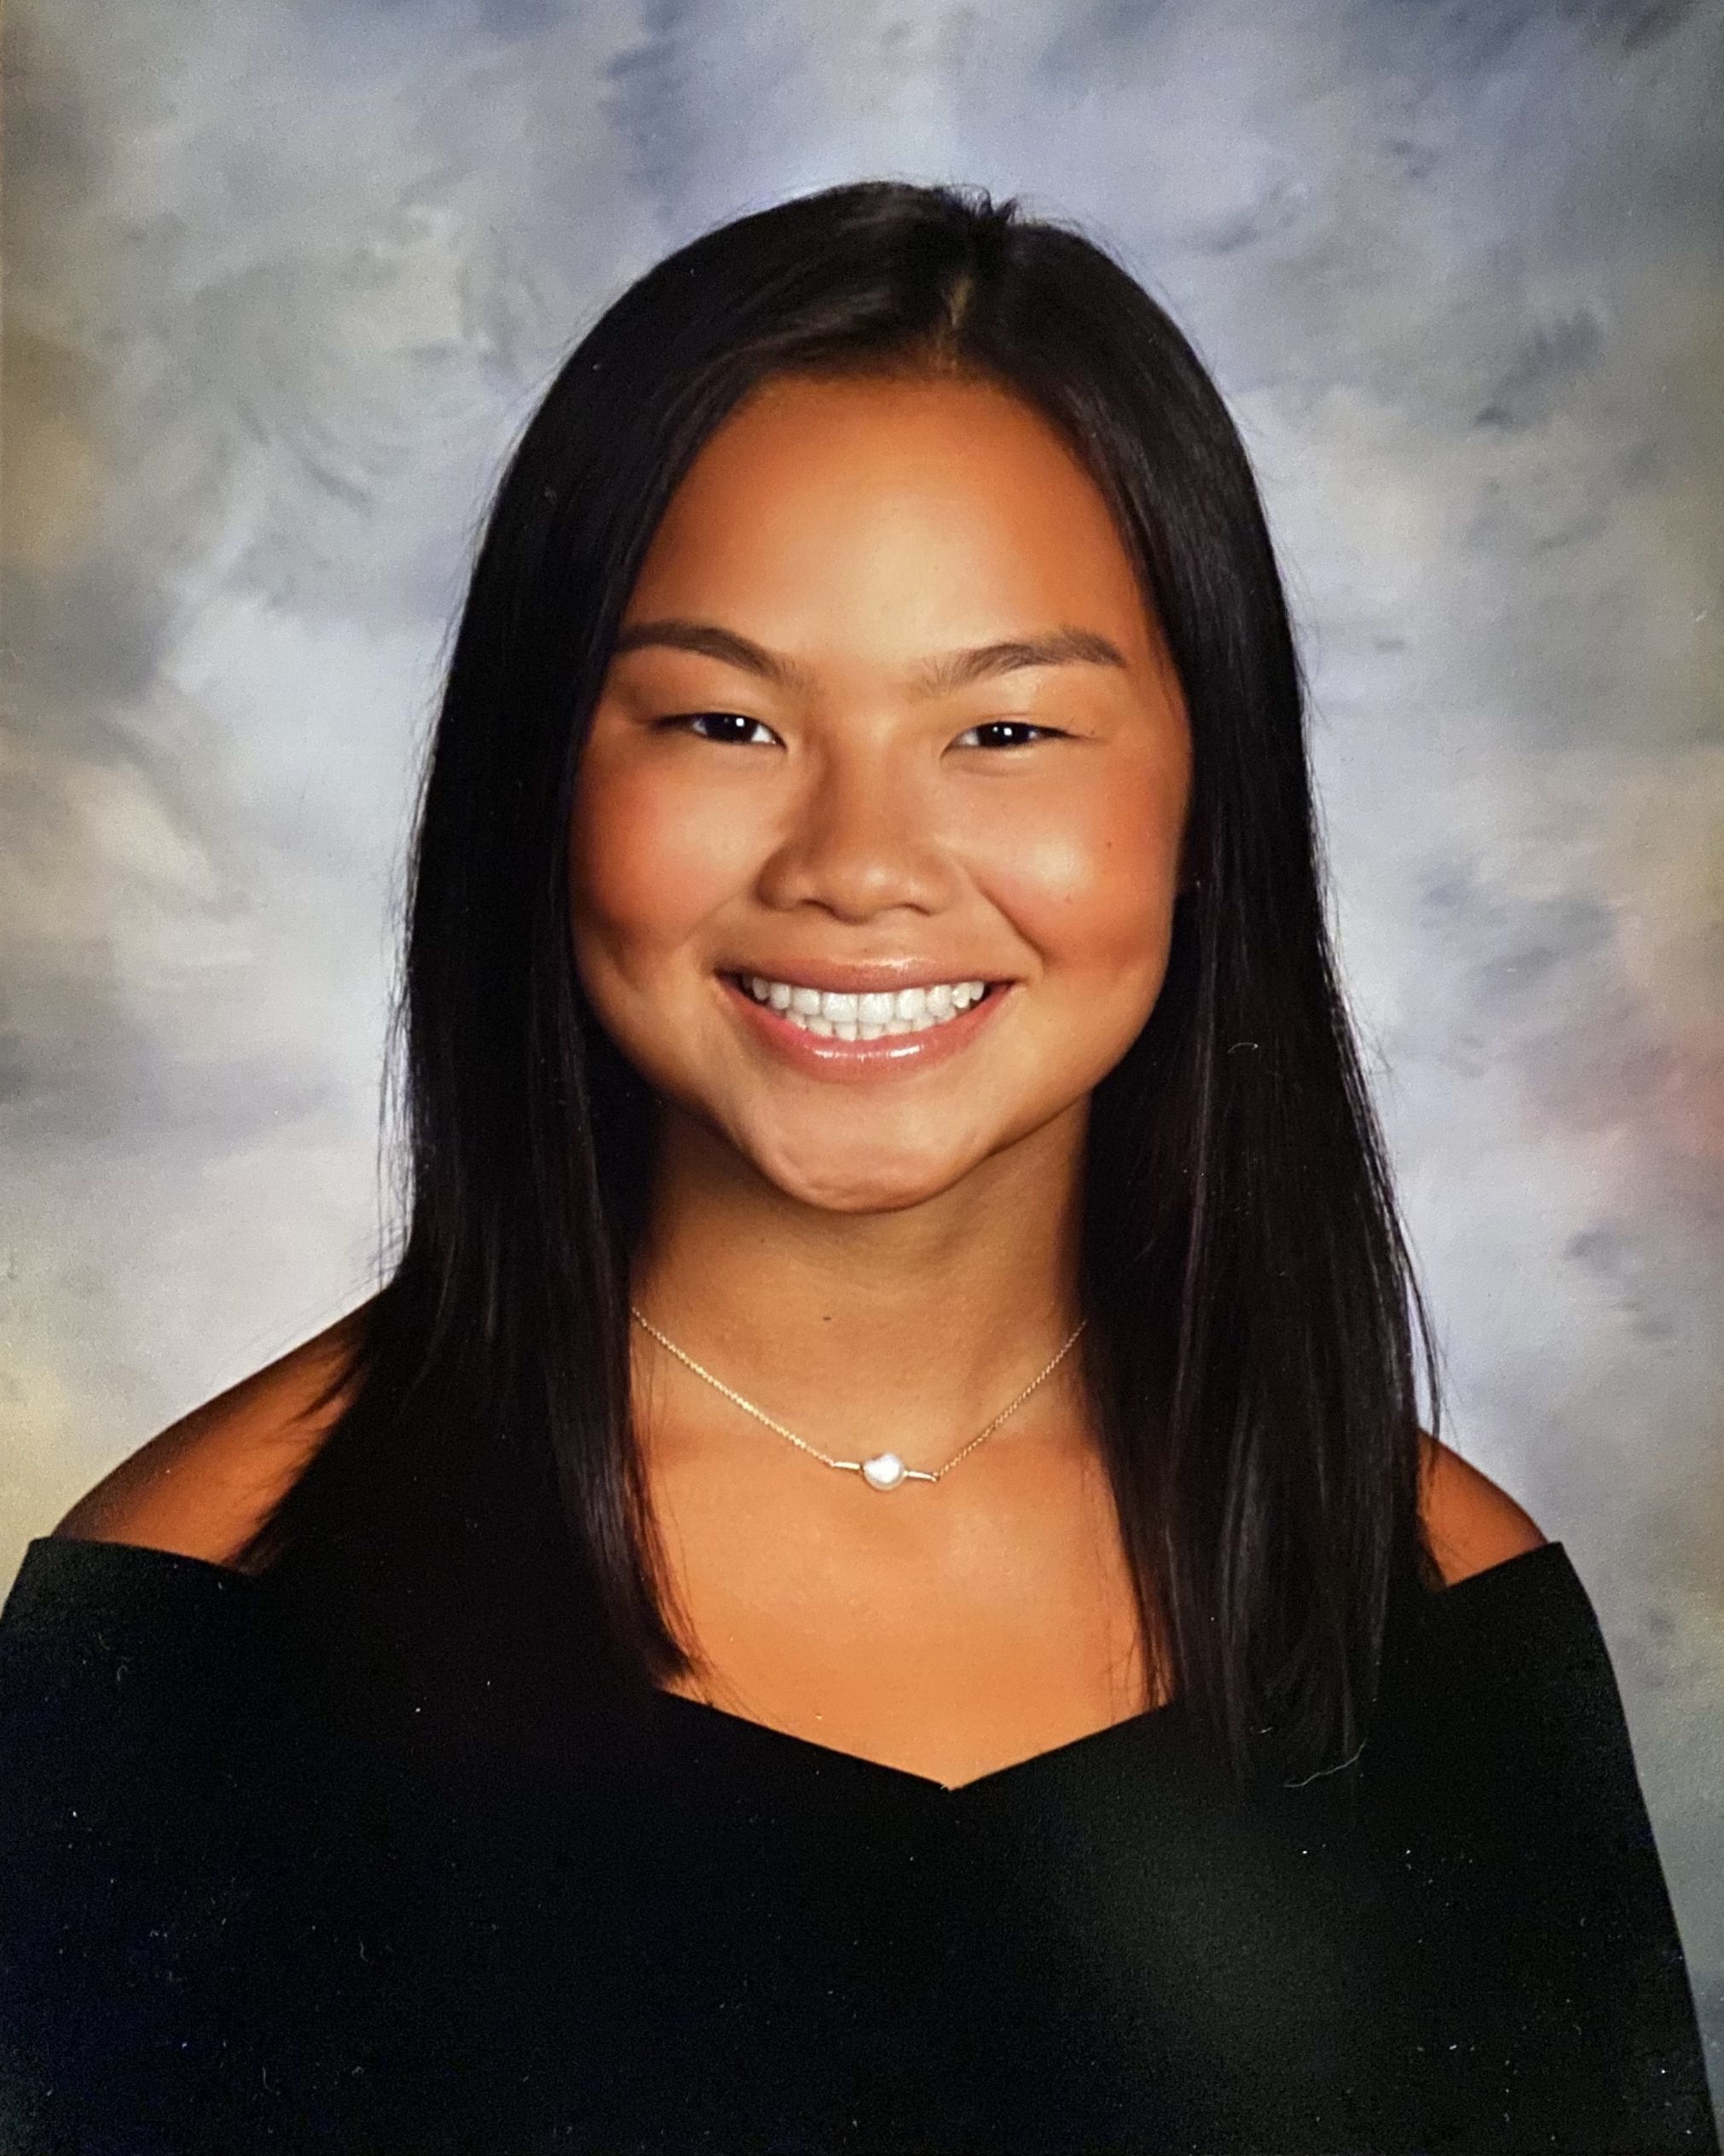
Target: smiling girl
x,y
876,1577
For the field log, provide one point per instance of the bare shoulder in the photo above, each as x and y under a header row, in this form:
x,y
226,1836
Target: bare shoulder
x,y
1471,1522
200,1487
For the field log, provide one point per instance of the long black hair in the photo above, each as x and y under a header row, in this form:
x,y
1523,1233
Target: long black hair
x,y
1254,1313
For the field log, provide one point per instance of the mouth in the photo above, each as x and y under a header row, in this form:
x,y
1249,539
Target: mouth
x,y
844,1047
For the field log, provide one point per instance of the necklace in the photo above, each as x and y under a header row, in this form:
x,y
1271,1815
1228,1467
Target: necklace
x,y
885,1470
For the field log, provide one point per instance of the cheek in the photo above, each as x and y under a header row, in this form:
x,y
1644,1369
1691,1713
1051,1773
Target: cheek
x,y
644,863
1094,893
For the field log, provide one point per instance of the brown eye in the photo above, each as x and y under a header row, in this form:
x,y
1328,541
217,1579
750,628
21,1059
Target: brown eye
x,y
1014,725
685,720
694,718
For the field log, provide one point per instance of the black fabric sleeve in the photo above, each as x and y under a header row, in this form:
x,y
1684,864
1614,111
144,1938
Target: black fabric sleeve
x,y
1579,2030
122,1673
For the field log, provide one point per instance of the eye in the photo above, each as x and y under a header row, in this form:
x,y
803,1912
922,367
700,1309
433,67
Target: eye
x,y
694,718
737,719
1014,725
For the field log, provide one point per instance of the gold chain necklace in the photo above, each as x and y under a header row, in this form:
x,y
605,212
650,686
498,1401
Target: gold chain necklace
x,y
885,1470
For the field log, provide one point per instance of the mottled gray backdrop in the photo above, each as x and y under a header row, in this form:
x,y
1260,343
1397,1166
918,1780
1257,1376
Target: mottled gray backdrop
x,y
285,275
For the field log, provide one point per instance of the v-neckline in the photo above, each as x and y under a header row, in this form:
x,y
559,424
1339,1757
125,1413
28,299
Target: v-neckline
x,y
748,1729
1471,1590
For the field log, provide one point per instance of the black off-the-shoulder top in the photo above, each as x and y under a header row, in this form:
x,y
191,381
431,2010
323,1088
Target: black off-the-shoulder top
x,y
219,1931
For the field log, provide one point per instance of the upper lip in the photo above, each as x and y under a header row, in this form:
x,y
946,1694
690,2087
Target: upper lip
x,y
848,977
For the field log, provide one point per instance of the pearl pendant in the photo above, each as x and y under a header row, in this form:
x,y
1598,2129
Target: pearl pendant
x,y
885,1471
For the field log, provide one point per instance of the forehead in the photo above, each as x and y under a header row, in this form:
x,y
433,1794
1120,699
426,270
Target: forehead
x,y
940,506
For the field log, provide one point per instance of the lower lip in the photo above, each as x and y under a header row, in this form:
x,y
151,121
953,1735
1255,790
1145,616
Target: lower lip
x,y
813,1051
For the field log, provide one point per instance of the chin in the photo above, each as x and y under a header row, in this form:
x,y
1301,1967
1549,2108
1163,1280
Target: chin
x,y
869,1180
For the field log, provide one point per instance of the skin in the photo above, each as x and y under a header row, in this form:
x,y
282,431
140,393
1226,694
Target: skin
x,y
889,1261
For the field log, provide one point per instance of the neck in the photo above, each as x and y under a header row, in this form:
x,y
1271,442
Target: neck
x,y
919,1325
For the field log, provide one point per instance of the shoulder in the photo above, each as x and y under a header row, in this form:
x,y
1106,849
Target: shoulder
x,y
201,1487
1472,1523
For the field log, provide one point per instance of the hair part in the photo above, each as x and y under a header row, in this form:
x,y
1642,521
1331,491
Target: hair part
x,y
1257,1334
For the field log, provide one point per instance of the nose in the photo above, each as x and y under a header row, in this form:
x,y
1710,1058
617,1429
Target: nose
x,y
865,834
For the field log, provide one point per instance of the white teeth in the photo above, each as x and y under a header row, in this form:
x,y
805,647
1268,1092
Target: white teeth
x,y
849,1017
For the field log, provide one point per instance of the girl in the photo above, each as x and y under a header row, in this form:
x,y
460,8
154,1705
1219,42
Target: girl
x,y
873,1578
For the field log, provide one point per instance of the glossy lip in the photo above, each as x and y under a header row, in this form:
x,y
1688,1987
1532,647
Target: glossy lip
x,y
861,1059
851,976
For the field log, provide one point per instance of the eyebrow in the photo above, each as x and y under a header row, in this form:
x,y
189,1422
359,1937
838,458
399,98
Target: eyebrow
x,y
949,670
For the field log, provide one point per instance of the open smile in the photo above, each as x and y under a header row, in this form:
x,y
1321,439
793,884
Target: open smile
x,y
827,1055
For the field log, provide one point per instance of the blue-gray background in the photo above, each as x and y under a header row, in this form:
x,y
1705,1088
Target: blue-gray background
x,y
283,279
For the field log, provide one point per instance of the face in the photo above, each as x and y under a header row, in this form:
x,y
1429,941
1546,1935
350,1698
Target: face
x,y
887,709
